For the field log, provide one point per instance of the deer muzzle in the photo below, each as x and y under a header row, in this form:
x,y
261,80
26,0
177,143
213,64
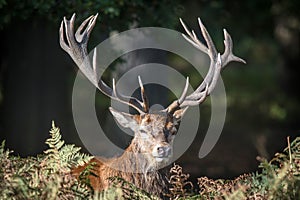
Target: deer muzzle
x,y
162,152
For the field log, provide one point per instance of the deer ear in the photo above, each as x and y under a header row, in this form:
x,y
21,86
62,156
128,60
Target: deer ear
x,y
124,119
178,114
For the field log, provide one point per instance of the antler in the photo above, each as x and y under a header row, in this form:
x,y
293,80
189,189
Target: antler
x,y
76,47
217,63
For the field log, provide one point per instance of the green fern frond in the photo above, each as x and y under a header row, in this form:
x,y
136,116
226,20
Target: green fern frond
x,y
71,156
110,193
45,176
55,141
60,156
129,190
4,154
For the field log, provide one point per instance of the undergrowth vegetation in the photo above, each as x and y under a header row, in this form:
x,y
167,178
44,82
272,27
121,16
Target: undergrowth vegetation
x,y
48,176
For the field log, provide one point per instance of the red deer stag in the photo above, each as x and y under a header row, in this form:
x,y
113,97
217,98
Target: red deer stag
x,y
153,133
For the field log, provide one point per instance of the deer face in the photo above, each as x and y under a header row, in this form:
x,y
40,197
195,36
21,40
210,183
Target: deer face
x,y
154,133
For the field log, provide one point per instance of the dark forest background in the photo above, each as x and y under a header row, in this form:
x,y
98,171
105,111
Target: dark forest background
x,y
36,76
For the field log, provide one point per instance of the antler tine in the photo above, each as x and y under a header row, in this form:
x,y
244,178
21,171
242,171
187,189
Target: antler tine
x,y
216,74
126,99
196,96
95,68
76,46
99,83
175,104
114,88
62,42
184,92
228,55
217,62
199,100
211,51
145,103
82,31
193,38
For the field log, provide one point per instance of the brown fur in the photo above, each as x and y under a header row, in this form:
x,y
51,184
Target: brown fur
x,y
149,179
152,182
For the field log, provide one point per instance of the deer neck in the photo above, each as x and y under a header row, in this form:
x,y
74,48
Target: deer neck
x,y
135,159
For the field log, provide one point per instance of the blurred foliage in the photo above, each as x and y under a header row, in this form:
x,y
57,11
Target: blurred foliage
x,y
48,176
265,34
257,36
114,14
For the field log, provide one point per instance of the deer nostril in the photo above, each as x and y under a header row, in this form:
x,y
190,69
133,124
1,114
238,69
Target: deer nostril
x,y
160,150
163,151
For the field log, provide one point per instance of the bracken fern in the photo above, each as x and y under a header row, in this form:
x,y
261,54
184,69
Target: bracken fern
x,y
48,176
43,177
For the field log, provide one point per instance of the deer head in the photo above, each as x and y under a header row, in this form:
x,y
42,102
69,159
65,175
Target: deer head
x,y
154,132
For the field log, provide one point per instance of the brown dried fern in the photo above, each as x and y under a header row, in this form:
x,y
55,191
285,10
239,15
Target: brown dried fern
x,y
180,186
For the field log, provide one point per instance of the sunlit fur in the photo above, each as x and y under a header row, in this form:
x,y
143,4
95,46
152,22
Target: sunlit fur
x,y
150,130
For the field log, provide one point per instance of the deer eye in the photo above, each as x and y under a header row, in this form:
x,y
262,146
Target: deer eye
x,y
173,131
166,132
143,133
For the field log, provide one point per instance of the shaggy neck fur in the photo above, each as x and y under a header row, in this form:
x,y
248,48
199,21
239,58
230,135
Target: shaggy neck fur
x,y
131,161
136,167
